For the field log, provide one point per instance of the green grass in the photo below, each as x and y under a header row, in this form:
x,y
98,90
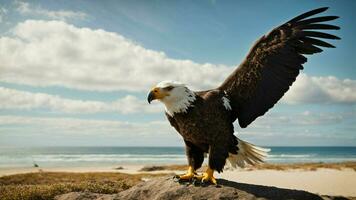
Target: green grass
x,y
46,185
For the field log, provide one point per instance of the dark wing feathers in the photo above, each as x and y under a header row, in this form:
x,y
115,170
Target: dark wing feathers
x,y
316,19
317,34
273,64
308,14
319,26
316,42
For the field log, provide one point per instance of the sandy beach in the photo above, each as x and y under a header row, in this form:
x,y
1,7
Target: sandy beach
x,y
321,181
324,181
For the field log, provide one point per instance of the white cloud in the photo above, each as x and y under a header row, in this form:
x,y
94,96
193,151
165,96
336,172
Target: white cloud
x,y
16,99
290,131
26,9
329,89
303,119
54,53
304,128
42,125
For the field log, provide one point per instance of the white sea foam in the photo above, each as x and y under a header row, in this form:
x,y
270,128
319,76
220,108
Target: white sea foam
x,y
291,156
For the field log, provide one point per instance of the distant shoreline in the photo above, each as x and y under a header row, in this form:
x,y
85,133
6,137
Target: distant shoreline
x,y
167,168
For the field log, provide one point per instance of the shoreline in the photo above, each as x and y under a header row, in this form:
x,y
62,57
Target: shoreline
x,y
139,168
127,169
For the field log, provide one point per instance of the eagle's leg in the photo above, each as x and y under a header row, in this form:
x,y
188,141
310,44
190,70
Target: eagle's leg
x,y
195,159
189,175
208,176
217,158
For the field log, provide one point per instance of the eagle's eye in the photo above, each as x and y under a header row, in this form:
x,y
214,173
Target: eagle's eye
x,y
169,88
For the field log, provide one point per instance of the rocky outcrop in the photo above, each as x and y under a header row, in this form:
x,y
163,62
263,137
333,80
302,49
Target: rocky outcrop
x,y
167,189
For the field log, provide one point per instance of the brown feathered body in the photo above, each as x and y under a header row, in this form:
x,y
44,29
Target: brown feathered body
x,y
206,127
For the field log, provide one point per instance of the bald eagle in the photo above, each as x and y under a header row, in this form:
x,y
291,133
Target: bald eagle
x,y
205,118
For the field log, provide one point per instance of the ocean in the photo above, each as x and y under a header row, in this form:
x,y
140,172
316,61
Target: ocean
x,y
116,156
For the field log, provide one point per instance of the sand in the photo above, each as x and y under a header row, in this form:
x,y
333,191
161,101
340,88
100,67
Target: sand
x,y
128,169
321,181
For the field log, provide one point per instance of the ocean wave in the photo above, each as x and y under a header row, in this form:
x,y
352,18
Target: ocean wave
x,y
76,158
331,159
291,155
94,158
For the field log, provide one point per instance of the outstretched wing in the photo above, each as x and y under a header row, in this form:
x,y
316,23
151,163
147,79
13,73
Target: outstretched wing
x,y
273,64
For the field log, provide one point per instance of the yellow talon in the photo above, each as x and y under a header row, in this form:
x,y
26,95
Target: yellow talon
x,y
208,176
189,175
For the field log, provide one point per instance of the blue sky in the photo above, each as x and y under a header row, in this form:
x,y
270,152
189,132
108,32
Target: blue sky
x,y
77,72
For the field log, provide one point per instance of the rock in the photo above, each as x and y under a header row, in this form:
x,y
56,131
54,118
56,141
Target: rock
x,y
83,196
119,168
166,189
152,168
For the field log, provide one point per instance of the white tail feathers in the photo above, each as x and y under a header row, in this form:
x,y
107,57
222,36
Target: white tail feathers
x,y
247,154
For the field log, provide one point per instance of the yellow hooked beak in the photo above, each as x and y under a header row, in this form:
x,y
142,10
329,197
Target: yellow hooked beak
x,y
156,93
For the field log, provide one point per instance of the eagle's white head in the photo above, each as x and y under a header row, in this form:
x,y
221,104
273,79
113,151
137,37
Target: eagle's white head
x,y
176,96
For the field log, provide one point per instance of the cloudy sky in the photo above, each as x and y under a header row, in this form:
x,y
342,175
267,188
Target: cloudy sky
x,y
77,72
